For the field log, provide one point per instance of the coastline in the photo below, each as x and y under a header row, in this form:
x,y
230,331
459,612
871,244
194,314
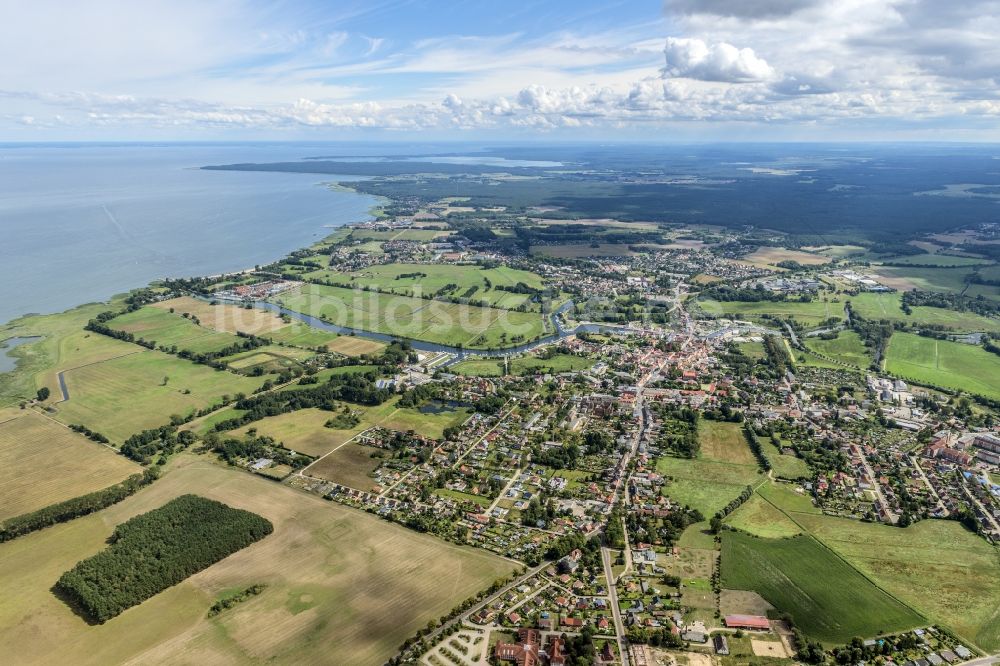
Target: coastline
x,y
20,358
84,223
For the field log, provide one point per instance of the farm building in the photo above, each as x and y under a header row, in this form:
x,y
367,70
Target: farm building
x,y
752,622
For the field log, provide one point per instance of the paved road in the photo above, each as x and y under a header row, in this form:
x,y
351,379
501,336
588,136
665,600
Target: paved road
x,y
464,617
941,506
982,509
640,414
615,610
500,420
876,486
791,334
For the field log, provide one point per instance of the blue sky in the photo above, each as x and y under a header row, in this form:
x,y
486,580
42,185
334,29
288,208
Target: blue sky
x,y
672,70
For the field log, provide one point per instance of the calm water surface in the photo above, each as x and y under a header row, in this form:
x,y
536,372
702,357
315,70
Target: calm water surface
x,y
82,223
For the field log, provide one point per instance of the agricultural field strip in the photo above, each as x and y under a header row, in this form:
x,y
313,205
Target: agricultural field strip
x,y
63,425
62,384
303,471
81,466
967,367
374,314
223,408
433,277
173,622
100,388
840,557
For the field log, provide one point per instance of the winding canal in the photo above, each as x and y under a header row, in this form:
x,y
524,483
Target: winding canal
x,y
459,352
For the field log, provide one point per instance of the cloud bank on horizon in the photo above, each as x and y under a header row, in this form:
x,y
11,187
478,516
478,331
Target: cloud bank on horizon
x,y
680,69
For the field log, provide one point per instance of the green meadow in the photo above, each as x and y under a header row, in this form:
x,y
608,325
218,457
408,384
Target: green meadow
x,y
937,566
785,465
122,396
449,280
810,314
827,598
168,329
889,307
522,365
759,517
942,363
847,348
420,319
724,468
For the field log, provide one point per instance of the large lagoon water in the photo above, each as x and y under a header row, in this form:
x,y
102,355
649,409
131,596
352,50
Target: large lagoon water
x,y
80,223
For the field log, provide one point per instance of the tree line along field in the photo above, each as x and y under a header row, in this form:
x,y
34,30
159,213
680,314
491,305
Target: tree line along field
x,y
205,424
724,468
521,365
470,281
43,463
407,317
124,395
846,348
832,607
810,314
947,573
338,583
943,363
167,329
889,307
938,570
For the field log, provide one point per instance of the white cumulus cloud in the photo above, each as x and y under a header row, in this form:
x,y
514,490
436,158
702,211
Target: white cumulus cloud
x,y
720,61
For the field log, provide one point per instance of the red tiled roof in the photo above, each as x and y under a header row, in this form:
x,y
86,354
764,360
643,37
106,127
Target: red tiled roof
x,y
747,622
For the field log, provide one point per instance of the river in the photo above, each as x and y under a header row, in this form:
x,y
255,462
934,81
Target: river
x,y
460,352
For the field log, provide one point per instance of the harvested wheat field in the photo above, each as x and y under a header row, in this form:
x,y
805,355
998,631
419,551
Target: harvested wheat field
x,y
224,317
335,577
43,462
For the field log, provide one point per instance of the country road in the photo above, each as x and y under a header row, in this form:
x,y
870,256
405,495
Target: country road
x,y
615,610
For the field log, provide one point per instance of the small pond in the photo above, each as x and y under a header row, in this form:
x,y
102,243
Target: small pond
x,y
440,406
7,361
